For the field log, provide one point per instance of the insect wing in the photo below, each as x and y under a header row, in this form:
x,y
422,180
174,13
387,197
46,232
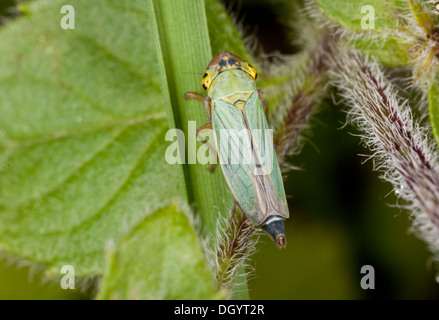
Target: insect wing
x,y
227,121
269,176
248,160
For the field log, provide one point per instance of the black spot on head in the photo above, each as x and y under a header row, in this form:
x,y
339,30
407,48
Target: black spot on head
x,y
231,61
223,63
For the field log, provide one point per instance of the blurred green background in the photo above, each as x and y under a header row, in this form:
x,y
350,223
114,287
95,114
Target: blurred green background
x,y
342,214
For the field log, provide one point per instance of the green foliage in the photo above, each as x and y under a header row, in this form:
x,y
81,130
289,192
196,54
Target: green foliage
x,y
433,102
82,137
387,16
421,15
160,258
349,14
82,142
403,35
390,51
83,176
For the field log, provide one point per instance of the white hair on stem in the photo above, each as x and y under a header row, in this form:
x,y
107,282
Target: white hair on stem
x,y
401,149
233,245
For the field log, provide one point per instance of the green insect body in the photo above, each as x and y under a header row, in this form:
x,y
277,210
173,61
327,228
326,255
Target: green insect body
x,y
244,144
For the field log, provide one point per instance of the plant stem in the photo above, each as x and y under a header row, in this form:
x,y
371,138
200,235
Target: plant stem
x,y
401,149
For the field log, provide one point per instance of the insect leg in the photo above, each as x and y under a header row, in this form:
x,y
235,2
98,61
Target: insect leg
x,y
198,96
207,126
194,95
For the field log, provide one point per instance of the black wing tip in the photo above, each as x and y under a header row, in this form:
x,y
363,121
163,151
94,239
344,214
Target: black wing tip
x,y
276,230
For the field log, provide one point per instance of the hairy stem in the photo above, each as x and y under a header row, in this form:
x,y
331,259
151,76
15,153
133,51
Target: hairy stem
x,y
234,249
401,148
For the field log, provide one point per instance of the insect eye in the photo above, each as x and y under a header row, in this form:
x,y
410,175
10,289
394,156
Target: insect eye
x,y
253,71
205,82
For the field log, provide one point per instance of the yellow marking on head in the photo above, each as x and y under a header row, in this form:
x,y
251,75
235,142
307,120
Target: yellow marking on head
x,y
206,80
225,61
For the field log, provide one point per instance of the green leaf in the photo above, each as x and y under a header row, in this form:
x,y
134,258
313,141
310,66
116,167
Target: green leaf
x,y
160,259
422,15
433,102
387,13
387,50
82,132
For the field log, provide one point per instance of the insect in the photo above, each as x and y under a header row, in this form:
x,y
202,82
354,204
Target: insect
x,y
244,146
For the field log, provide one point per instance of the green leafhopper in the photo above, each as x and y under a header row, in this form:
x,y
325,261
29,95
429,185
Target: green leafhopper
x,y
244,142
